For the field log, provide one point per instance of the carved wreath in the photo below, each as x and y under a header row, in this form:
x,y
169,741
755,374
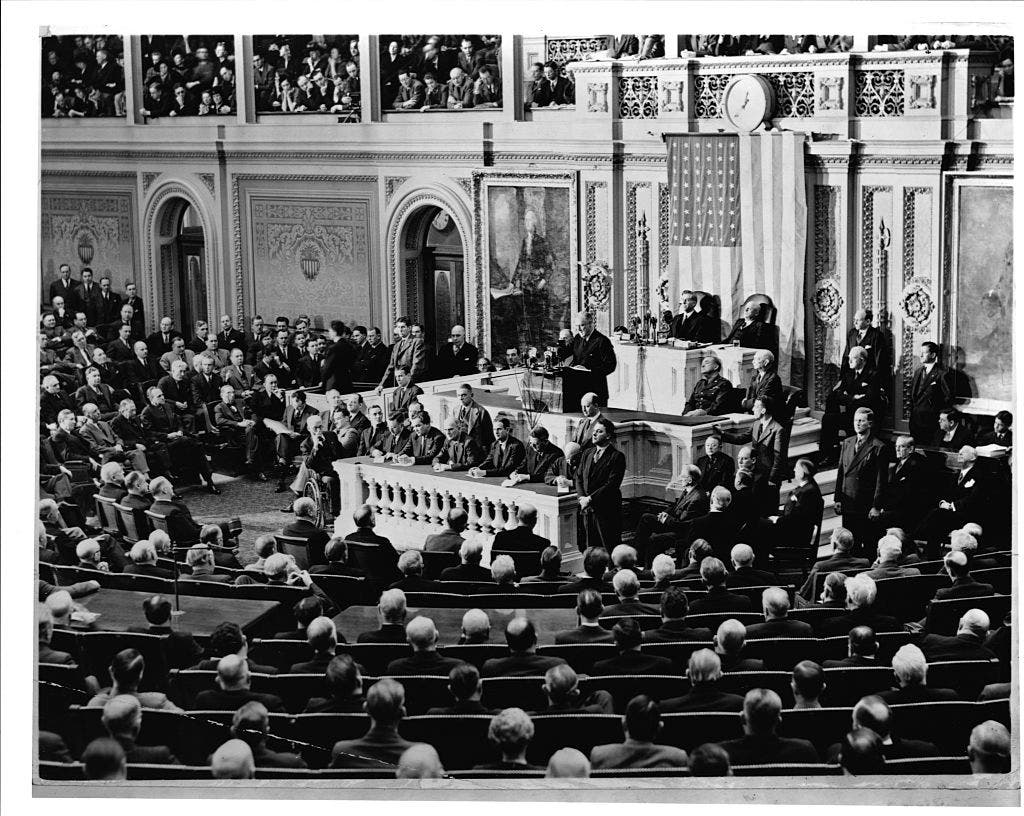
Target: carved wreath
x,y
917,304
828,302
596,286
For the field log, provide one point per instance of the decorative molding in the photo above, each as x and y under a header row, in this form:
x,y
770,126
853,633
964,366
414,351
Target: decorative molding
x,y
631,240
412,290
147,181
830,93
867,239
52,172
916,305
921,90
392,183
673,95
794,94
879,93
597,97
303,156
664,226
466,184
590,189
561,50
638,97
828,302
559,158
208,180
827,299
707,95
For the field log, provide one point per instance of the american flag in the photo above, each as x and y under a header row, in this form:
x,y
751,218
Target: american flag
x,y
739,225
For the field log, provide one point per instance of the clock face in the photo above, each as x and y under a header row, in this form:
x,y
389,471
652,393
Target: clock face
x,y
747,102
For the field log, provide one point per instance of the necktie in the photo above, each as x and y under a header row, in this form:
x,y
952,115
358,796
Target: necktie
x,y
857,445
598,454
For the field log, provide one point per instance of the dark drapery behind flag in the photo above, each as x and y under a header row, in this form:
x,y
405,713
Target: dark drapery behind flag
x,y
739,226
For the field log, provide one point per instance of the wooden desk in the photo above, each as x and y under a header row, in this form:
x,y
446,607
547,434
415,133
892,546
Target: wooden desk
x,y
358,619
120,609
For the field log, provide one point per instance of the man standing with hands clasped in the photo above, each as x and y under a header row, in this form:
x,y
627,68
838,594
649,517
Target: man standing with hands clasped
x,y
592,361
598,484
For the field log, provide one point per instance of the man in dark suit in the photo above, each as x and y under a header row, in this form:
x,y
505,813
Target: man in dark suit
x,y
64,286
339,359
107,304
861,593
426,442
717,468
86,296
160,342
521,638
908,487
718,599
410,564
470,552
372,359
967,644
911,670
229,338
872,713
641,725
729,641
862,650
769,443
119,350
598,482
673,627
521,538
384,560
460,451
385,703
593,360
842,546
957,566
718,527
163,426
122,717
391,612
206,384
541,455
251,725
751,330
671,525
743,572
627,588
178,394
859,386
422,636
711,393
143,367
930,392
589,608
456,358
295,430
464,685
506,453
373,438
181,648
704,670
305,527
763,381
131,298
965,502
861,478
802,513
231,419
595,563
869,338
233,691
760,744
777,623
630,660
450,538
689,323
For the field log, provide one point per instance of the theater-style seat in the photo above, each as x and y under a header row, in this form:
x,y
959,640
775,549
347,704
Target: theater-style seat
x,y
754,593
947,765
62,771
712,620
646,622
638,773
453,600
742,682
966,677
295,690
434,563
946,724
821,726
527,561
97,650
475,653
1001,579
624,687
580,731
315,774
375,657
906,599
53,702
581,656
321,731
943,616
781,653
816,616
501,774
845,686
423,692
460,739
514,692
687,730
280,653
679,653
787,769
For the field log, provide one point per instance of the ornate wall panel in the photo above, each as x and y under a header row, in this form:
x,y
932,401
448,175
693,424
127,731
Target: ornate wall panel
x,y
632,192
311,254
916,307
828,301
638,97
94,229
875,237
879,93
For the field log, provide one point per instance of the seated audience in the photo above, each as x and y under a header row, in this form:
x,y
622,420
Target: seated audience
x,y
718,598
305,612
967,644
808,683
229,639
874,714
888,564
476,627
323,640
630,660
450,538
391,612
760,744
345,685
595,563
911,670
777,623
521,538
833,595
422,636
704,670
550,568
744,574
695,554
641,726
336,553
862,650
383,561
861,592
709,759
673,627
589,608
144,560
861,753
627,588
562,688
104,759
251,725
410,564
471,552
568,763
381,745
510,733
523,661
233,760
464,685
503,574
989,748
663,569
419,762
729,641
958,567
233,689
181,649
126,670
199,559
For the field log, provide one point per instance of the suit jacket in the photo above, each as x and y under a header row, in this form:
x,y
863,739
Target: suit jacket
x,y
337,366
80,357
177,391
204,391
703,697
65,289
478,422
100,436
965,587
85,300
969,493
596,353
372,362
400,443
805,506
452,363
780,628
519,539
756,334
317,538
388,633
861,479
750,577
938,648
461,455
372,437
580,584
502,463
602,480
102,396
634,662
635,754
296,420
466,572
220,700
538,464
874,343
402,396
446,541
757,750
267,406
184,529
767,439
907,488
160,420
769,385
384,564
689,326
409,352
226,417
139,371
864,616
930,391
676,630
119,351
837,563
522,664
309,373
692,504
719,600
380,744
852,662
70,446
422,663
584,634
158,346
629,607
710,394
417,583
107,308
917,694
425,448
719,529
131,432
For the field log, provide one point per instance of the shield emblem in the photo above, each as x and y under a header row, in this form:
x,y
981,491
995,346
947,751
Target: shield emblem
x,y
85,249
310,263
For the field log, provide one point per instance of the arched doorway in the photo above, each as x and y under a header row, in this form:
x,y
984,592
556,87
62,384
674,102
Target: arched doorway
x,y
181,267
435,266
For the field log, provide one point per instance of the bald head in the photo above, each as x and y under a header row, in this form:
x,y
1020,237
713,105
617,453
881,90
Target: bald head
x,y
775,601
761,709
989,748
392,606
742,555
476,626
363,516
974,622
626,584
232,672
730,637
873,712
560,682
568,763
520,635
527,516
233,760
704,666
419,762
322,635
385,701
421,634
122,716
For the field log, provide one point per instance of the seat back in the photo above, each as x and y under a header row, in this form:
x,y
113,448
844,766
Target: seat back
x,y
99,649
475,653
135,523
742,682
689,729
787,769
366,557
966,677
144,770
508,692
159,522
907,598
465,742
375,657
821,726
947,765
943,616
63,771
645,622
434,563
54,699
106,511
782,653
187,683
999,577
581,731
295,546
581,656
768,310
946,724
712,620
423,692
527,561
678,652
279,653
845,686
295,690
624,687
754,593
138,583
815,616
322,731
819,578
347,590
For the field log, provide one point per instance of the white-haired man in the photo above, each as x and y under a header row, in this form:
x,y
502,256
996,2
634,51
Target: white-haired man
x,y
592,359
967,644
658,532
965,502
888,563
764,382
861,593
859,386
911,670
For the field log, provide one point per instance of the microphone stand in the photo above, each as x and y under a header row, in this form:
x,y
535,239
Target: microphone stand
x,y
177,612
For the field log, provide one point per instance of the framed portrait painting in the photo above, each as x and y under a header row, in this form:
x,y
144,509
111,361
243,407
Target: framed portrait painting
x,y
527,253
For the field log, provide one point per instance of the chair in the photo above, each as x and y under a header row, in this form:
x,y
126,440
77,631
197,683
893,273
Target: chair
x,y
171,772
624,687
946,724
966,677
580,731
187,683
822,726
475,653
106,512
845,686
754,594
638,773
742,682
943,616
434,563
295,690
469,587
541,587
782,653
99,649
712,620
527,561
138,583
947,765
375,657
498,774
907,598
689,729
322,730
645,621
787,769
365,557
581,656
54,700
347,590
295,546
464,743
799,558
159,522
999,577
61,771
506,692
815,616
424,691
768,310
279,652
679,653
62,676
